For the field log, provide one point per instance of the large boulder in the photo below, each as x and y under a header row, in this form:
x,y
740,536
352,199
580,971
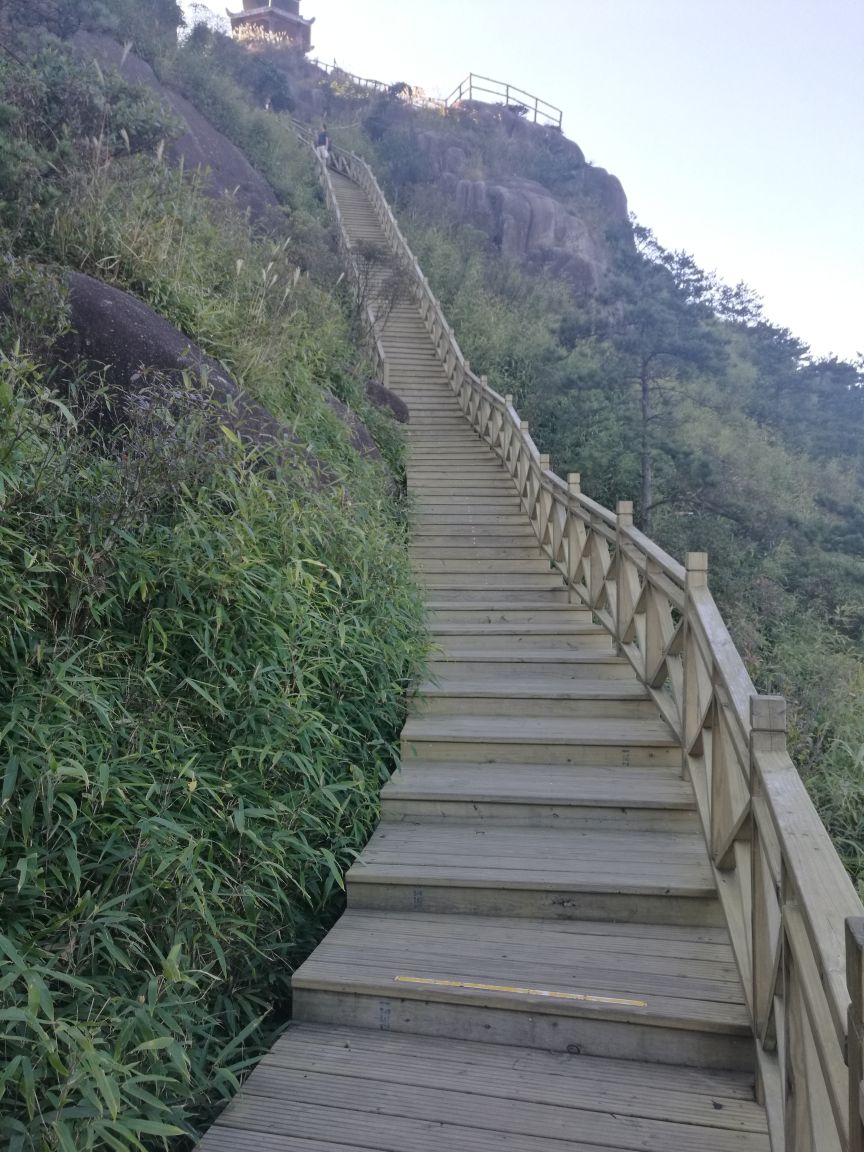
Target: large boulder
x,y
226,170
388,401
135,347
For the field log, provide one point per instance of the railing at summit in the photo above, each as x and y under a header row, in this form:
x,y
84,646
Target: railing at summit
x,y
473,87
795,920
480,88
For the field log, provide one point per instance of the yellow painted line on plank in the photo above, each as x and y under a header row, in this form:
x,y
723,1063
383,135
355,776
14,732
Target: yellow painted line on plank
x,y
545,993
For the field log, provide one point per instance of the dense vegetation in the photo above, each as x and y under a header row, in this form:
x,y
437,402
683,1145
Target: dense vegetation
x,y
673,389
203,645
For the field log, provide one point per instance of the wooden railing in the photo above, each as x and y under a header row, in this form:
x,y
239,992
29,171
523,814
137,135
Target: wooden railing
x,y
473,87
343,161
785,893
482,87
350,78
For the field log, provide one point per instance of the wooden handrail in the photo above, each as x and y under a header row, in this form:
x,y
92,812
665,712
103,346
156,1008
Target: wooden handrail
x,y
784,891
348,254
541,111
351,77
509,94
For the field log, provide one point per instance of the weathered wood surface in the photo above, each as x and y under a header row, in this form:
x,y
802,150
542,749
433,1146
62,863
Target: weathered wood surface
x,y
550,902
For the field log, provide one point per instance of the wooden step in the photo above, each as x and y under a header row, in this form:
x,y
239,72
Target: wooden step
x,y
505,612
477,473
640,991
430,504
488,581
480,565
498,485
507,638
515,596
589,797
529,664
494,869
487,696
401,1092
487,501
544,740
456,467
466,536
522,551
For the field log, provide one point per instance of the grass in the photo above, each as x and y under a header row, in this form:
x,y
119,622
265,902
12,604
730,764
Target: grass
x,y
203,650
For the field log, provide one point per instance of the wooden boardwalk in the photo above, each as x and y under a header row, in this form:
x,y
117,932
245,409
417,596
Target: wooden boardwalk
x,y
534,957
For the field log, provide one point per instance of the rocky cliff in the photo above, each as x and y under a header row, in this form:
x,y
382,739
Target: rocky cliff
x,y
528,187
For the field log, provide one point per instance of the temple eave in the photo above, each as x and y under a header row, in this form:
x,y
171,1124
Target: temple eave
x,y
273,13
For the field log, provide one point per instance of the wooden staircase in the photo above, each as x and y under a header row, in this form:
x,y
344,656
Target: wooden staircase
x,y
533,957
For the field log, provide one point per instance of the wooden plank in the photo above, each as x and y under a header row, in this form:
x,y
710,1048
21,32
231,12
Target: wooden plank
x,y
289,1087
482,783
591,1093
549,730
527,1064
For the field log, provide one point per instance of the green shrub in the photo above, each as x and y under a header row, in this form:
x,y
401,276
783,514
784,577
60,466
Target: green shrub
x,y
57,113
202,662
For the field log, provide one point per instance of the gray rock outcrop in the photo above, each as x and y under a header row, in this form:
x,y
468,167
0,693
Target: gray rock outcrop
x,y
525,219
133,347
227,171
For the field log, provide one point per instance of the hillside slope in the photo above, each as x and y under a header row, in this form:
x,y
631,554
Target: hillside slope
x,y
207,615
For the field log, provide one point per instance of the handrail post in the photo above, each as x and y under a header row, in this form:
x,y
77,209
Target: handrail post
x,y
574,488
696,566
623,520
855,1034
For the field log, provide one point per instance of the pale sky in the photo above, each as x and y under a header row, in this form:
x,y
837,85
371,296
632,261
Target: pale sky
x,y
735,126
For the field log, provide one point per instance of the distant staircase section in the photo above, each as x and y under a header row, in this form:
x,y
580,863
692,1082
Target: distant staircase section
x,y
557,940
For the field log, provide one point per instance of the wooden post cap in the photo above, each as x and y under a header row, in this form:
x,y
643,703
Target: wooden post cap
x,y
545,462
696,564
625,513
574,483
508,399
768,724
523,425
768,713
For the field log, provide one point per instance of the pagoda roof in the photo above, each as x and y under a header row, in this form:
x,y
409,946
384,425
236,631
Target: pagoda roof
x,y
268,10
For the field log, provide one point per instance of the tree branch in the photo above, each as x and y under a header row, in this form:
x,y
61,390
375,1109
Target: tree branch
x,y
11,54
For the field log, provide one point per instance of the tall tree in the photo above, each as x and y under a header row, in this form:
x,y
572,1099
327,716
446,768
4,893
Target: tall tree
x,y
661,331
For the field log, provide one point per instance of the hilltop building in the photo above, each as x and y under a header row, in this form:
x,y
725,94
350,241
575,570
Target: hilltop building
x,y
273,19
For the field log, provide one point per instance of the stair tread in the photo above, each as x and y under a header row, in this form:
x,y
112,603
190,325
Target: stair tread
x,y
549,784
537,966
537,689
388,1091
501,606
480,854
516,629
548,730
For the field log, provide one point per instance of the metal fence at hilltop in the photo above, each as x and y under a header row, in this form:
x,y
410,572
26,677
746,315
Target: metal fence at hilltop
x,y
473,88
